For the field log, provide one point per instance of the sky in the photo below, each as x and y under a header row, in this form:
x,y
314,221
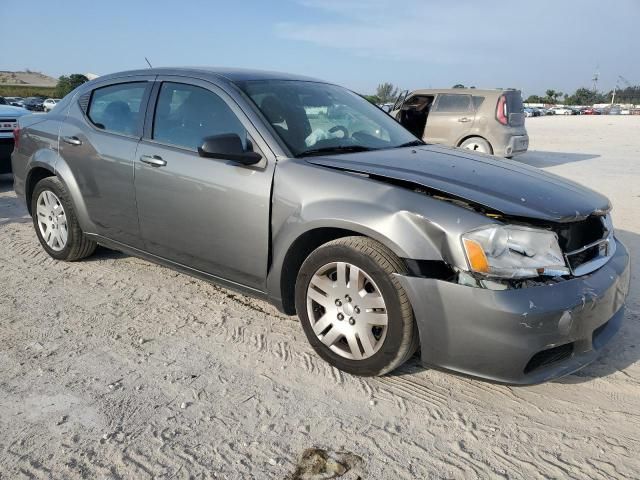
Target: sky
x,y
530,45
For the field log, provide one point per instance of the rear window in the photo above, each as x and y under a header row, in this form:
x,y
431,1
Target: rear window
x,y
453,103
514,102
117,108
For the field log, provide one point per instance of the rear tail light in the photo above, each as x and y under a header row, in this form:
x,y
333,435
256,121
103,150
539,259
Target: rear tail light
x,y
16,137
501,110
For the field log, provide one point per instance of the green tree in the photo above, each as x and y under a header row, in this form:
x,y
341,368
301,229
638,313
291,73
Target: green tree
x,y
585,96
386,92
552,96
534,99
66,84
372,98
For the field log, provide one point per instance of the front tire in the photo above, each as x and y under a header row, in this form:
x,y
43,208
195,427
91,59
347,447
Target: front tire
x,y
353,310
56,224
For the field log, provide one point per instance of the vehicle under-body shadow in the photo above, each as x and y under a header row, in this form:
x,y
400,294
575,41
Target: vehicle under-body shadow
x,y
543,159
12,209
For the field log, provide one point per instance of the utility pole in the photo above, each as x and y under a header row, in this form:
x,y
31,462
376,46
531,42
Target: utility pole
x,y
595,79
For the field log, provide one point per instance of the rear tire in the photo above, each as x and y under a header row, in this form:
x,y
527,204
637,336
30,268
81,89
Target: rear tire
x,y
383,334
56,223
477,144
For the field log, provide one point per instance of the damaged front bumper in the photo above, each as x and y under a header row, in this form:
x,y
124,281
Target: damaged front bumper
x,y
520,336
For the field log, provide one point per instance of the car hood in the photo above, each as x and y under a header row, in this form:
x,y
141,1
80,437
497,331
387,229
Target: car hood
x,y
506,186
11,111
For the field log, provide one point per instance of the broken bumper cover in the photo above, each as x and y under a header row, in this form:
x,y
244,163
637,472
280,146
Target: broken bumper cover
x,y
520,336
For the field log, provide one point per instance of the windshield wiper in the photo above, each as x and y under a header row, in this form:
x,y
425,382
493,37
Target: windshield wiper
x,y
340,149
412,143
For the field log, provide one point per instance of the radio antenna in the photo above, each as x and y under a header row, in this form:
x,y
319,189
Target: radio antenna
x,y
148,62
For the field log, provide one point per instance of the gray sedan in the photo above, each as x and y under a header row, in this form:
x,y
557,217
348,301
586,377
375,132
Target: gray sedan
x,y
302,193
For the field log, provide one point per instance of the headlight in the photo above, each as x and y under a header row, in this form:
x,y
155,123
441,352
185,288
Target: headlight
x,y
511,251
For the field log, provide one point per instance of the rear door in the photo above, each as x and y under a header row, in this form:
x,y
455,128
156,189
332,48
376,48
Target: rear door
x,y
98,141
208,214
451,117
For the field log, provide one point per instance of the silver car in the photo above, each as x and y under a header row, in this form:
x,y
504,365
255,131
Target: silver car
x,y
9,115
302,193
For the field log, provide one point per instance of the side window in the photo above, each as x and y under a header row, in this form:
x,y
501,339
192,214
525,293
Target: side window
x,y
453,103
186,114
477,102
117,108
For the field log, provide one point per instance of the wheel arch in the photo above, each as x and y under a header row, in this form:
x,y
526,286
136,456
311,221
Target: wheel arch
x,y
39,170
284,271
36,174
306,243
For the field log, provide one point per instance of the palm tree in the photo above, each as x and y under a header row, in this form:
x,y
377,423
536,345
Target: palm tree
x,y
386,92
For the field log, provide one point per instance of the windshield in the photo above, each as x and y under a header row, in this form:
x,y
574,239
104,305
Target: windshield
x,y
315,117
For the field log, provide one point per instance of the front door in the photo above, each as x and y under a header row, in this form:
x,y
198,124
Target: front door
x,y
450,118
98,142
208,214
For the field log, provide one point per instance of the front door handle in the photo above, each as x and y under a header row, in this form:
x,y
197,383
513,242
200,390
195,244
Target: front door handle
x,y
72,140
153,160
464,119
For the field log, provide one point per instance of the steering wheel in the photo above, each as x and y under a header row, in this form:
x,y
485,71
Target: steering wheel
x,y
340,128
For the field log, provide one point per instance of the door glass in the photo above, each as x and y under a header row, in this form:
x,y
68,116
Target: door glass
x,y
477,102
186,114
454,103
116,108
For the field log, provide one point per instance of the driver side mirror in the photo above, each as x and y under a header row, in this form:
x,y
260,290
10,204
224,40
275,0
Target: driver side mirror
x,y
228,147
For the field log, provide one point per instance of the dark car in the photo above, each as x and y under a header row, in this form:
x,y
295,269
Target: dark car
x,y
590,111
34,104
303,193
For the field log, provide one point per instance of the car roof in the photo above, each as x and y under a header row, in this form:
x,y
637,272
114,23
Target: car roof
x,y
230,74
468,91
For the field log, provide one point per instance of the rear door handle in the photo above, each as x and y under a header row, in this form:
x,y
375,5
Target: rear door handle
x,y
72,140
464,119
153,160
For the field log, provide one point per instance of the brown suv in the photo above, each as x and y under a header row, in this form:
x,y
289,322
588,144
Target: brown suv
x,y
487,121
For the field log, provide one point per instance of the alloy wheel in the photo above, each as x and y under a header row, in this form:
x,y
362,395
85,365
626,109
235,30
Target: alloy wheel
x,y
52,220
476,147
347,311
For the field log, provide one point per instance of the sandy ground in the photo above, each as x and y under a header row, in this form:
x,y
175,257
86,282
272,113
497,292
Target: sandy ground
x,y
118,368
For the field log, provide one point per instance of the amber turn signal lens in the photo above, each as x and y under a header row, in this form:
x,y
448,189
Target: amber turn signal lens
x,y
476,256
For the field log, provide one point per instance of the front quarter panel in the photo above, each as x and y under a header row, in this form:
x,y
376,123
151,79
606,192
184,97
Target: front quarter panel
x,y
413,225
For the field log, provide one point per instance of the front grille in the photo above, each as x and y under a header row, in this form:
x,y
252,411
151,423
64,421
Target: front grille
x,y
587,245
577,259
574,236
548,357
7,124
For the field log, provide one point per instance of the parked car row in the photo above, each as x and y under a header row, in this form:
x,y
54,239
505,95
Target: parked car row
x,y
34,104
536,112
568,110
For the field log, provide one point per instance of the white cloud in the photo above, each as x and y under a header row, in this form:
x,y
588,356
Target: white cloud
x,y
414,30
